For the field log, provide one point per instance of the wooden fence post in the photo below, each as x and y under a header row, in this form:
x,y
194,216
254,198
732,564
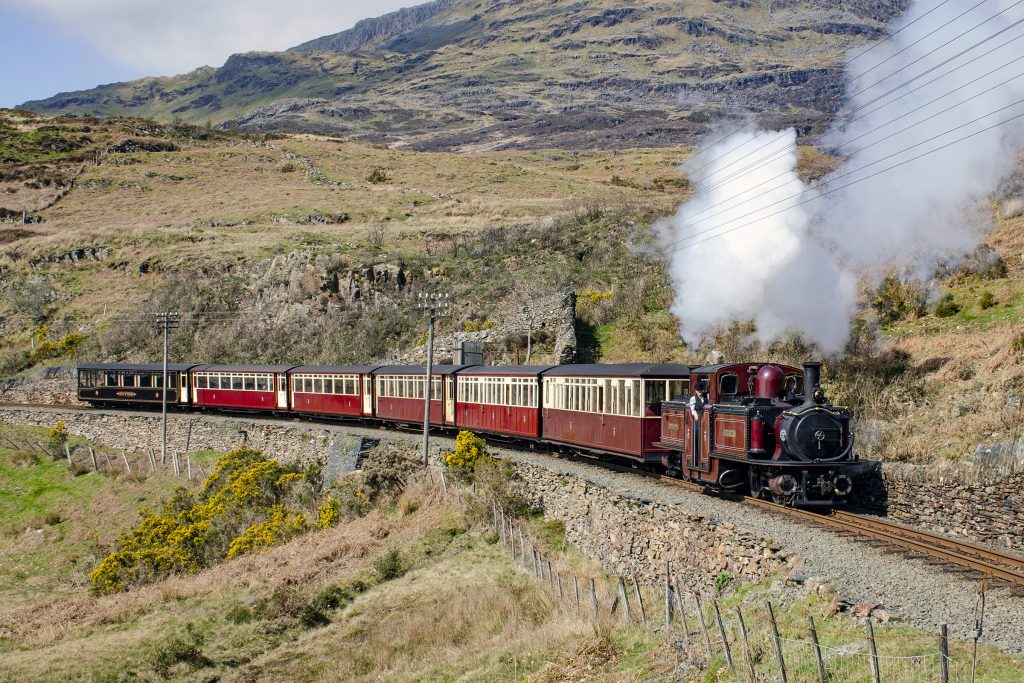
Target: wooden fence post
x,y
623,597
494,514
593,598
558,576
817,650
703,624
67,452
943,653
681,606
501,523
522,545
778,642
92,454
107,458
188,460
551,578
639,600
668,592
876,673
576,590
721,631
746,647
126,465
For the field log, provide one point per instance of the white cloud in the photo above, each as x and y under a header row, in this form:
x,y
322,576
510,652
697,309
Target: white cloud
x,y
163,38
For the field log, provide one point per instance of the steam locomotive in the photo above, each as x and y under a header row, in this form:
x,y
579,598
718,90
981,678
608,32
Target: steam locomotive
x,y
761,429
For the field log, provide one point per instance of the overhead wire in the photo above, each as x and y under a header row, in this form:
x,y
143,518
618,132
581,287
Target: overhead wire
x,y
820,194
693,220
901,85
887,38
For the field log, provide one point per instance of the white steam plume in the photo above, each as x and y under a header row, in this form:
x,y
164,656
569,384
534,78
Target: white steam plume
x,y
796,270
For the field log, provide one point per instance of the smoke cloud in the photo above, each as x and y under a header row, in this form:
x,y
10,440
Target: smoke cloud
x,y
756,243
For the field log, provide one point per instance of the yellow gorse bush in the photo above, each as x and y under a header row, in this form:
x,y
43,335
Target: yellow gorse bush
x,y
279,526
469,448
241,508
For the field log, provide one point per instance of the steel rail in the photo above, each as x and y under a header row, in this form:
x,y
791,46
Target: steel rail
x,y
923,543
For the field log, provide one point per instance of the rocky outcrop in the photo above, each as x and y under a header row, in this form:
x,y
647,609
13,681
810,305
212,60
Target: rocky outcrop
x,y
377,30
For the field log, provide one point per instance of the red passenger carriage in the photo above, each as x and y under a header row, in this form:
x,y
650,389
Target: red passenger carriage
x,y
500,399
339,390
399,394
611,409
254,388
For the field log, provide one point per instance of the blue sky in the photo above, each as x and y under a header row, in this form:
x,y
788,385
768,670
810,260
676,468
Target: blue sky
x,y
41,60
52,46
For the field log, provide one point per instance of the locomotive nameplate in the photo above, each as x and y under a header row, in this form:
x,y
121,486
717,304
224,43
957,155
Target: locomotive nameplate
x,y
729,433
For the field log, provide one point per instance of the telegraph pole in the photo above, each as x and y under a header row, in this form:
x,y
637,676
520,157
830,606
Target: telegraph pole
x,y
436,306
166,322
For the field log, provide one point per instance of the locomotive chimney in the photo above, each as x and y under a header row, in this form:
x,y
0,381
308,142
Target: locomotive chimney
x,y
812,382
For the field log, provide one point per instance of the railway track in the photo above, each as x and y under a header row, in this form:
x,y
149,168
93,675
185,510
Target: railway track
x,y
999,568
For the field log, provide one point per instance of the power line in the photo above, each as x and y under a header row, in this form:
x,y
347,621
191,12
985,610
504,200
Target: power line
x,y
883,40
891,91
861,168
954,38
757,164
841,187
861,149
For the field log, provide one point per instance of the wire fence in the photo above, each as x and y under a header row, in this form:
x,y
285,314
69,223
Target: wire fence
x,y
747,644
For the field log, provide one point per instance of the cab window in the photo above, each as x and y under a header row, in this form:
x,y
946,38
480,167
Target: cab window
x,y
729,386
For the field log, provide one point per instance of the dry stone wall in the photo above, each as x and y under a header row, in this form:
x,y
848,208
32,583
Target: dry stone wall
x,y
959,501
630,536
301,442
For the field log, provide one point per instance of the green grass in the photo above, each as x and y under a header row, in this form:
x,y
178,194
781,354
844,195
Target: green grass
x,y
55,521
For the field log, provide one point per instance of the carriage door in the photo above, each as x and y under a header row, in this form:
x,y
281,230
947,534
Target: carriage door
x,y
449,400
367,395
183,394
282,391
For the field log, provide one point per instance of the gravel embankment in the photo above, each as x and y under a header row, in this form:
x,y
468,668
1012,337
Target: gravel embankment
x,y
912,590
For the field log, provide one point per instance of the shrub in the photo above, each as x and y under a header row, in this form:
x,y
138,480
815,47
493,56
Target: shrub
x,y
239,614
46,350
947,307
57,439
377,176
288,167
1018,345
462,461
183,649
987,300
328,513
391,566
722,581
387,469
241,508
895,300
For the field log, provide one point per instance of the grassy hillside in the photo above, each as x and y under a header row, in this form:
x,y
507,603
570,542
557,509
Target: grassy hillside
x,y
468,75
283,231
413,588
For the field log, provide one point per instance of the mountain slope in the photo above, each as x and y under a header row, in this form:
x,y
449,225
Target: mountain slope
x,y
459,74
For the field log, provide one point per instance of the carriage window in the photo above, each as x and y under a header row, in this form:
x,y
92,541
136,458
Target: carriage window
x,y
158,381
127,380
654,391
307,385
678,390
633,391
318,386
201,382
250,383
145,381
729,386
262,384
236,382
796,383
